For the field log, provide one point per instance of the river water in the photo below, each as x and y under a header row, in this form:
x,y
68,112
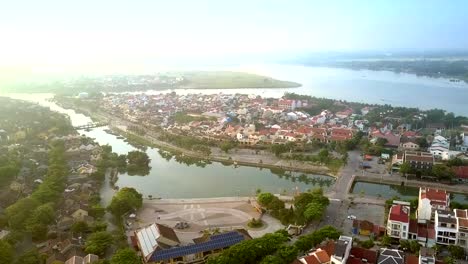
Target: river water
x,y
171,179
376,87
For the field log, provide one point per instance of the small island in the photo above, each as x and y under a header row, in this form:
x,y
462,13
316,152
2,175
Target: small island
x,y
228,80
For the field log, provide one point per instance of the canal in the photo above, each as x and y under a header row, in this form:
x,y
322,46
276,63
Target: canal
x,y
388,191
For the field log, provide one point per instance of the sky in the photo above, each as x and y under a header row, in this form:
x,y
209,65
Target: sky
x,y
61,36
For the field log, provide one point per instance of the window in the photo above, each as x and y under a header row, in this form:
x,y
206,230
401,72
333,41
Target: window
x,y
404,228
443,225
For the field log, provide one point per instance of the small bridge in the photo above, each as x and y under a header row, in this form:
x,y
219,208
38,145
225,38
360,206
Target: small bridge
x,y
91,125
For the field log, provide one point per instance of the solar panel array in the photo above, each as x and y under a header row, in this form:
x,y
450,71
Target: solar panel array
x,y
216,242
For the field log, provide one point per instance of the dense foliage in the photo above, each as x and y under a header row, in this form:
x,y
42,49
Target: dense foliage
x,y
124,201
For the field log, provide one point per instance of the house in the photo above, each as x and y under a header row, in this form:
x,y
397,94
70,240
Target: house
x,y
361,255
342,250
419,160
318,256
426,256
423,233
393,141
461,173
365,228
462,228
391,256
409,144
399,220
429,201
155,237
79,215
90,258
341,134
446,227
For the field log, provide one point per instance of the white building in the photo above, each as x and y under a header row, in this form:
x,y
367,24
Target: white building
x,y
462,227
430,200
342,248
446,227
399,220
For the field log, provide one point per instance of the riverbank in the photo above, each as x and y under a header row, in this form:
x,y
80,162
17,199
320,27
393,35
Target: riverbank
x,y
253,160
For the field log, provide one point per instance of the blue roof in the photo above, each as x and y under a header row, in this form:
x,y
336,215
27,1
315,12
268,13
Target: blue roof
x,y
216,242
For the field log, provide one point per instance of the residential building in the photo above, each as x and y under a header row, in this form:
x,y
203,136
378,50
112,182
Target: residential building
x,y
419,160
424,233
462,228
461,173
426,256
361,255
399,220
393,141
342,249
90,258
391,256
446,227
341,134
430,200
318,256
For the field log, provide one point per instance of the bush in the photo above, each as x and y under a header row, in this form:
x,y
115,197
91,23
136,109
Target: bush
x,y
254,223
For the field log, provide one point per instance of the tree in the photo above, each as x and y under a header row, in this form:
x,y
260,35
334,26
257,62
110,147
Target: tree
x,y
264,199
456,252
314,211
323,155
125,256
29,257
450,260
287,253
138,158
272,259
6,252
19,212
386,241
226,146
79,227
97,243
442,171
125,200
381,142
367,244
405,168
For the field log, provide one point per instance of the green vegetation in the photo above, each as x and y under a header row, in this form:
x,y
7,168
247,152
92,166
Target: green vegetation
x,y
187,142
308,207
34,213
226,80
184,118
124,201
367,243
138,163
6,252
433,68
125,256
411,246
254,223
97,243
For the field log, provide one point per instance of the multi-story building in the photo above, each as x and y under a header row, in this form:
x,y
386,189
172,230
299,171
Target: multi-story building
x,y
399,220
429,201
426,256
446,227
419,160
462,228
342,249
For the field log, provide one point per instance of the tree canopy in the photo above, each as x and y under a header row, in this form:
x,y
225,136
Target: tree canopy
x,y
97,243
125,256
125,200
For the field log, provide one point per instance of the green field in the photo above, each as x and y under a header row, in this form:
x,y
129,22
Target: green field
x,y
226,79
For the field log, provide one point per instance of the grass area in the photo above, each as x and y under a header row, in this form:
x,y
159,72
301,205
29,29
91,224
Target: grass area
x,y
334,165
226,79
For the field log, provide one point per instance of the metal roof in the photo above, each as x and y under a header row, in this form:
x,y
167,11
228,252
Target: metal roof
x,y
147,237
216,242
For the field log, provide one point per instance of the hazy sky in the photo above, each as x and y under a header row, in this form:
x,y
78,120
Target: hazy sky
x,y
61,35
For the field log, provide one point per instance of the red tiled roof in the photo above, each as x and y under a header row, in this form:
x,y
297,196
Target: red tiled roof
x,y
362,253
399,213
461,172
329,248
436,196
411,259
311,260
461,213
410,134
322,256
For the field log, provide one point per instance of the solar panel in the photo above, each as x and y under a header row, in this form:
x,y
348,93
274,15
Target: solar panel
x,y
216,242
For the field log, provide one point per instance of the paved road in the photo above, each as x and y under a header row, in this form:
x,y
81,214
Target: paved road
x,y
345,177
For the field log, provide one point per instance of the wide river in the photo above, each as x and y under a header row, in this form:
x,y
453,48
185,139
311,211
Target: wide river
x,y
376,87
